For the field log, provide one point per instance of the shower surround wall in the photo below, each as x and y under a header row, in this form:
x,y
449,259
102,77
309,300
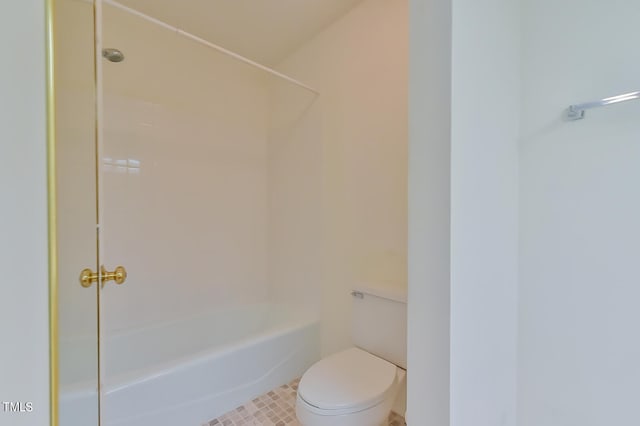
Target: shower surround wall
x,y
184,161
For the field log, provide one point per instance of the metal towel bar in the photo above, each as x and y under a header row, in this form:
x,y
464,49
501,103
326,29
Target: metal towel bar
x,y
576,112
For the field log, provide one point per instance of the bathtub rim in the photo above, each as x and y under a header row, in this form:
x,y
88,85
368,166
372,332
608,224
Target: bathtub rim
x,y
161,369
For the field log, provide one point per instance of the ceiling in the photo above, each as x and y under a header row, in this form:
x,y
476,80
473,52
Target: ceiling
x,y
265,31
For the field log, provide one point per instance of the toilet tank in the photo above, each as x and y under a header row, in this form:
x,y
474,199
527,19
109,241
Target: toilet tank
x,y
379,322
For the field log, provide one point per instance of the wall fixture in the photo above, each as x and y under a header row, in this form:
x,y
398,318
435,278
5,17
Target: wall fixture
x,y
577,111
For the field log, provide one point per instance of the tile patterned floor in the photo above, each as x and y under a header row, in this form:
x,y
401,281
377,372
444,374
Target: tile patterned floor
x,y
276,407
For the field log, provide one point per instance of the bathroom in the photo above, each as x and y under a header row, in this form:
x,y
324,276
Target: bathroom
x,y
249,180
521,252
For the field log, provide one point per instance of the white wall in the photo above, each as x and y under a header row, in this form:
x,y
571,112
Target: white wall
x,y
24,345
580,204
429,213
184,168
464,121
484,211
338,169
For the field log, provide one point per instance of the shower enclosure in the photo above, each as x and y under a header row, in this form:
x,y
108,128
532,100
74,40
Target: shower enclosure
x,y
163,158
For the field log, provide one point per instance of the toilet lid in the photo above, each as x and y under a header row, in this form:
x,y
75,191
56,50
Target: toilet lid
x,y
351,379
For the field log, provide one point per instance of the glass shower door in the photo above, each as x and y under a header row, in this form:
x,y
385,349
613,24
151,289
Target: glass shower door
x,y
183,208
76,214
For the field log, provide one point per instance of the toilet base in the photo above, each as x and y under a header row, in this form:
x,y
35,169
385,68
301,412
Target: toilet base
x,y
373,416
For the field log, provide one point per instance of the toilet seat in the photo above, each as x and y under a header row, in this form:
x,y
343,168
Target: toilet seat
x,y
347,382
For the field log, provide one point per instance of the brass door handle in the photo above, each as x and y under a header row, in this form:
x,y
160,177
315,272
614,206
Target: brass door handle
x,y
119,275
88,277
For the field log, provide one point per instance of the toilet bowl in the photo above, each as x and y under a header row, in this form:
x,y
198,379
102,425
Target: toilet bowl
x,y
350,388
358,386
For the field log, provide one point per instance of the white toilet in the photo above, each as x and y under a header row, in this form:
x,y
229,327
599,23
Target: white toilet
x,y
358,386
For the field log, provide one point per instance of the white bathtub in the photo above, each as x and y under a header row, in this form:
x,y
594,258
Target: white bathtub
x,y
187,372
